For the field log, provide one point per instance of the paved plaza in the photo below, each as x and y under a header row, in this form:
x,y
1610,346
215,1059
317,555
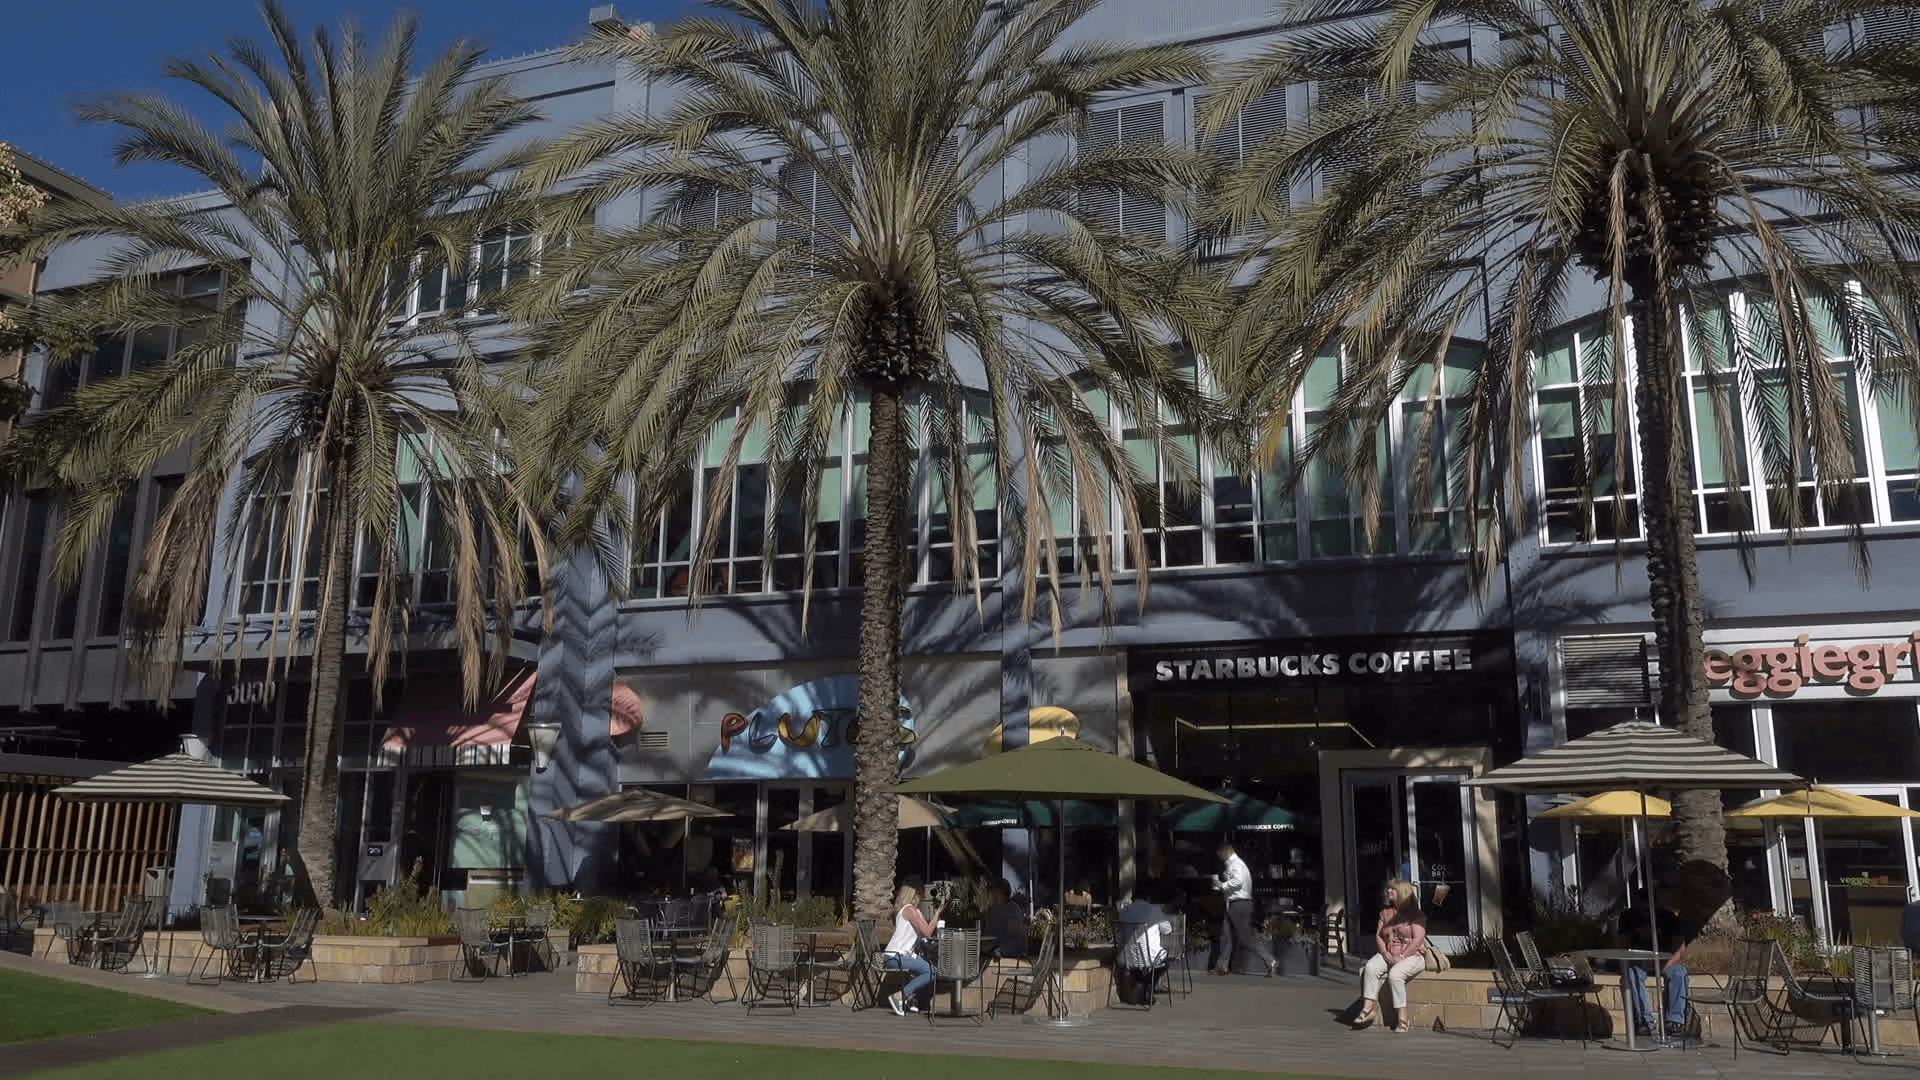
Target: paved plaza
x,y
1280,1025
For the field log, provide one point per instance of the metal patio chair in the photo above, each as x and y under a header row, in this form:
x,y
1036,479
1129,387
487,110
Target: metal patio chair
x,y
284,958
220,941
1153,972
534,934
706,966
1743,995
773,962
1520,1003
62,917
1023,987
643,968
480,948
125,939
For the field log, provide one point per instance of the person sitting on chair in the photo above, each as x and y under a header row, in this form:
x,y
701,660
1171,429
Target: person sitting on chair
x,y
910,928
1002,927
1675,932
1142,959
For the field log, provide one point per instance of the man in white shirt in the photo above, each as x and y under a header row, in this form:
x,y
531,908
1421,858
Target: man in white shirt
x,y
1235,885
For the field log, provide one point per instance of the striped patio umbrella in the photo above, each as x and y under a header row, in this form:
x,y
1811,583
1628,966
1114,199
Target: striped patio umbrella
x,y
178,779
1636,757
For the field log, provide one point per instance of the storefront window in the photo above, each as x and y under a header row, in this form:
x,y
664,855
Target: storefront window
x,y
1826,742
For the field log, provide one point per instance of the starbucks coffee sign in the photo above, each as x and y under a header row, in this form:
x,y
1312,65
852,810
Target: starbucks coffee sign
x,y
1319,660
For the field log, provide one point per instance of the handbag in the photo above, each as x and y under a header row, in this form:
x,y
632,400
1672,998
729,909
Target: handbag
x,y
1434,958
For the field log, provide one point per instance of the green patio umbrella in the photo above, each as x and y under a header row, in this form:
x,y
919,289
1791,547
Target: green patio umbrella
x,y
1060,769
1242,812
1029,814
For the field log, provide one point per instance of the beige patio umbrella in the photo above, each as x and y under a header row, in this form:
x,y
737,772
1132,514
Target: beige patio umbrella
x,y
636,804
914,814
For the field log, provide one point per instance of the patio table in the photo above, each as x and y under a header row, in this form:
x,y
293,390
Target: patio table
x,y
515,928
1650,957
675,934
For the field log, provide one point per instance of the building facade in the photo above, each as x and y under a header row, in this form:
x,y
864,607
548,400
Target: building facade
x,y
1351,673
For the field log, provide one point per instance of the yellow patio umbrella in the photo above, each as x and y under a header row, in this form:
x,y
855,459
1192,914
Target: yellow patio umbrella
x,y
1623,806
1817,805
1821,802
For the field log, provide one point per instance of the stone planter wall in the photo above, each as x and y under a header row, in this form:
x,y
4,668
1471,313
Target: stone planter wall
x,y
341,958
1085,980
1460,999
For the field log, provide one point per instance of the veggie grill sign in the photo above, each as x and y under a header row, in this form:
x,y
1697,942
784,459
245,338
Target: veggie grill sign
x,y
1780,671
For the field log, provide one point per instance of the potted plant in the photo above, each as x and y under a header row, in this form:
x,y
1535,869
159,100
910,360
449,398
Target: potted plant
x,y
1295,950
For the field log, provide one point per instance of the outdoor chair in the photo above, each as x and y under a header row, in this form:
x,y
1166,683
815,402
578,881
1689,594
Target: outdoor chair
x,y
1744,995
10,924
957,963
868,967
480,948
284,958
219,941
643,967
706,966
1023,987
846,964
1575,978
63,918
772,962
534,934
1520,1004
1822,1010
1333,936
1179,957
116,948
1153,972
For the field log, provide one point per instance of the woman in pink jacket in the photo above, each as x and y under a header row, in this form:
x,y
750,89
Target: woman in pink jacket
x,y
1401,937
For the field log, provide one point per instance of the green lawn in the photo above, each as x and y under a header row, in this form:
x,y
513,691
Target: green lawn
x,y
368,1049
32,1007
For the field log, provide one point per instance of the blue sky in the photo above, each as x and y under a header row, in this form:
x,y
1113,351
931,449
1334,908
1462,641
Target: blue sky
x,y
64,51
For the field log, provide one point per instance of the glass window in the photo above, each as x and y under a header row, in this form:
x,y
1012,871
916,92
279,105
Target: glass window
x,y
118,562
35,542
1822,741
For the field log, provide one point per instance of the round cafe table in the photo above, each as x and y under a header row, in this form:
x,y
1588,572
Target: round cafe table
x,y
1652,958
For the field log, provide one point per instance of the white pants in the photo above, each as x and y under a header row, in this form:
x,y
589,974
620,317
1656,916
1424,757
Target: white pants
x,y
1396,977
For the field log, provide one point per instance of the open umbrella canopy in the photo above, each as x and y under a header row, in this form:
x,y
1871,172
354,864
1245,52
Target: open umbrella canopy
x,y
177,779
914,814
1063,768
636,804
1030,814
1611,804
1636,756
1242,811
1821,802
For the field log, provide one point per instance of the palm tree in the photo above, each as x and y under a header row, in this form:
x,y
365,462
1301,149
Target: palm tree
x,y
341,186
878,266
1646,152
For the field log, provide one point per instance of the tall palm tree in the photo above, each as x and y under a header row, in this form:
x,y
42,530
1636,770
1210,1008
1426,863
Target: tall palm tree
x,y
341,185
924,250
1654,153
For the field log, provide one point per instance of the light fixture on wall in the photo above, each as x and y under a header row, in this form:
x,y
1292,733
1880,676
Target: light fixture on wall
x,y
542,737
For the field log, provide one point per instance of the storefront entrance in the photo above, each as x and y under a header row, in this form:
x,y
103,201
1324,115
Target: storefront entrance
x,y
1418,825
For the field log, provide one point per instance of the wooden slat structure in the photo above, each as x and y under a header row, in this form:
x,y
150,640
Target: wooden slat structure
x,y
51,849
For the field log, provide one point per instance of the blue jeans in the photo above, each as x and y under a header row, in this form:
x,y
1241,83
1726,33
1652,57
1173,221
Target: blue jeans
x,y
922,973
1676,983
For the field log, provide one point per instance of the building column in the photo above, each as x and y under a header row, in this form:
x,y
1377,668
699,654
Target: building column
x,y
574,690
196,822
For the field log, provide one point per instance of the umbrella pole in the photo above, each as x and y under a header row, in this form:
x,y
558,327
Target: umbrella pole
x,y
1659,1009
1057,1015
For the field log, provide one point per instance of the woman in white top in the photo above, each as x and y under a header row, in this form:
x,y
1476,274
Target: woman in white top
x,y
903,948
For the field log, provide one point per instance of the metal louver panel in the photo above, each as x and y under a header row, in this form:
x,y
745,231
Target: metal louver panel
x,y
1135,212
1341,93
1602,672
1888,26
655,742
808,198
708,206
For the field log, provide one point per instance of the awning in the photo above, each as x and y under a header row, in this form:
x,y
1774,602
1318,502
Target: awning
x,y
432,723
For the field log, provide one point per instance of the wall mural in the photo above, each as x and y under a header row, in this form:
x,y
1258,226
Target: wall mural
x,y
804,732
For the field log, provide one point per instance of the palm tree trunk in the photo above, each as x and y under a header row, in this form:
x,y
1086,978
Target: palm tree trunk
x,y
320,779
876,745
1673,571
